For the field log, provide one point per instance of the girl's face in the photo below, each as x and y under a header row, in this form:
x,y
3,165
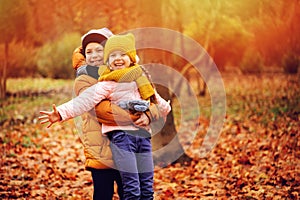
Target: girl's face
x,y
118,60
94,54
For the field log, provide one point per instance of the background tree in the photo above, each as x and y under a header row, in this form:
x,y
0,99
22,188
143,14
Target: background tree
x,y
13,28
152,15
224,28
276,30
41,20
60,50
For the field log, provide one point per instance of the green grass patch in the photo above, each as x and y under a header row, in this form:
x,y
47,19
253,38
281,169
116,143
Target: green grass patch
x,y
36,84
26,108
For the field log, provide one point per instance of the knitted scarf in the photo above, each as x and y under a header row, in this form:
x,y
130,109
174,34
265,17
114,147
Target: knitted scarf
x,y
129,74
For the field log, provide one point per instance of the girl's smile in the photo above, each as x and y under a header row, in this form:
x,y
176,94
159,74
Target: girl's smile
x,y
118,60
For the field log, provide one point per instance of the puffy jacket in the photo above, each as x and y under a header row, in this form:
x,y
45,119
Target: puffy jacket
x,y
96,146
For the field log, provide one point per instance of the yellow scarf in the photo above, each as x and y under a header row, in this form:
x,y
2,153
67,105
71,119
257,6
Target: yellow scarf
x,y
129,74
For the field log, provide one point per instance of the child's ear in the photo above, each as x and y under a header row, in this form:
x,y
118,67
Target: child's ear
x,y
108,65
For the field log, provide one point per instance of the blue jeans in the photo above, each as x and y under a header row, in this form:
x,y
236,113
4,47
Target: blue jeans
x,y
132,154
103,182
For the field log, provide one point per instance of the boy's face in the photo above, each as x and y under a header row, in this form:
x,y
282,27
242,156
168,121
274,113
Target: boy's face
x,y
94,54
118,60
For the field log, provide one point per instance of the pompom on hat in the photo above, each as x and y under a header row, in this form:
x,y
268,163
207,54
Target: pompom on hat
x,y
124,43
95,35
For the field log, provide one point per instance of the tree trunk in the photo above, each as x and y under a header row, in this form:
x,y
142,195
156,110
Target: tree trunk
x,y
215,8
3,77
166,146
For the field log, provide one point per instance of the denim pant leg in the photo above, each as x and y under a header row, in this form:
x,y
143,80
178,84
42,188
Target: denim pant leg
x,y
103,182
145,167
123,148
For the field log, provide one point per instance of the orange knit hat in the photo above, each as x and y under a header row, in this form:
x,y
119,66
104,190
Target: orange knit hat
x,y
124,43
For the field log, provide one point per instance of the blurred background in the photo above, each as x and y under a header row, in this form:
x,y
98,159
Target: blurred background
x,y
38,36
255,45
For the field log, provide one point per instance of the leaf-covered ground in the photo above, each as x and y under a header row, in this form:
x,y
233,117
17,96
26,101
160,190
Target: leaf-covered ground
x,y
257,155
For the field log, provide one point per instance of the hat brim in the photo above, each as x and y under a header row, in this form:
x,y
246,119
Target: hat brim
x,y
93,37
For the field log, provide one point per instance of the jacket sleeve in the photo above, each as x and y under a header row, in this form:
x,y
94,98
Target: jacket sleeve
x,y
111,114
85,101
78,58
164,107
106,112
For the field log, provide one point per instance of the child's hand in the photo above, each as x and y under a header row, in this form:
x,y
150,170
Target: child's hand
x,y
142,121
50,117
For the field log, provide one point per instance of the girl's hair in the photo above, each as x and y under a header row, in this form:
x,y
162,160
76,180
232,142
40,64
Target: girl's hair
x,y
146,72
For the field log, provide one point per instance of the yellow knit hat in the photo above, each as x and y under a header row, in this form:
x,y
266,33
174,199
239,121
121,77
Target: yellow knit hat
x,y
124,43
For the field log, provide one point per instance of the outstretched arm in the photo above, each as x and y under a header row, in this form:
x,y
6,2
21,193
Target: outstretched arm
x,y
51,117
75,107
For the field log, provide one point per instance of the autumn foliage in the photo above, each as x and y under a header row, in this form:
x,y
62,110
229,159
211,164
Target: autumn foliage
x,y
255,45
255,157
